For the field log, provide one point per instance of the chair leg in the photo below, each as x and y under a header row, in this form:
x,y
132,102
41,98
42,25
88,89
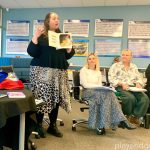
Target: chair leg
x,y
77,122
32,145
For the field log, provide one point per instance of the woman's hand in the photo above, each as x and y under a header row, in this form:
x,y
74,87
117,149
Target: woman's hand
x,y
125,87
69,50
37,34
138,85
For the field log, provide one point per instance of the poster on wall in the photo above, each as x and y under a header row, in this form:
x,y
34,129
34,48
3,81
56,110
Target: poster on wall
x,y
78,28
108,47
0,17
81,47
17,28
16,46
109,27
37,24
139,29
140,48
0,29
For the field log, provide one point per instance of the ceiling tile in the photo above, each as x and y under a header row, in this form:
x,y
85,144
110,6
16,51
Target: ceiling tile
x,y
49,3
93,2
71,3
115,2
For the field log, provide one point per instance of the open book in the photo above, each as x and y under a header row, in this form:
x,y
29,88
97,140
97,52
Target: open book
x,y
135,89
60,40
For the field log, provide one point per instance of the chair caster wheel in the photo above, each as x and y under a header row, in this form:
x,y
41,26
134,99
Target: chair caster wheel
x,y
73,128
74,121
81,109
37,136
61,123
33,146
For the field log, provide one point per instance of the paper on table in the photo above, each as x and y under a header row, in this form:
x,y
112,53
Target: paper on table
x,y
60,40
135,89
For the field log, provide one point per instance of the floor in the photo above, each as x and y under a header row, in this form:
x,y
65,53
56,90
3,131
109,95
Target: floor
x,y
85,139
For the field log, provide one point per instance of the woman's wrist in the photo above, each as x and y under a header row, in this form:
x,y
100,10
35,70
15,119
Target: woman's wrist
x,y
35,39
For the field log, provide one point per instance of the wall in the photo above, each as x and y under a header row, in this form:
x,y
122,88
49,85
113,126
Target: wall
x,y
137,13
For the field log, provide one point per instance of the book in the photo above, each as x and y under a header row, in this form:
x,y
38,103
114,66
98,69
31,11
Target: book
x,y
16,95
2,95
60,40
135,89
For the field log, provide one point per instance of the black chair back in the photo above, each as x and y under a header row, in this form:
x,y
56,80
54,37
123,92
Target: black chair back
x,y
76,78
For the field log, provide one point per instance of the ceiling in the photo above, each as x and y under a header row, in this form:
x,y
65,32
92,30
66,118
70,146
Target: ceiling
x,y
68,3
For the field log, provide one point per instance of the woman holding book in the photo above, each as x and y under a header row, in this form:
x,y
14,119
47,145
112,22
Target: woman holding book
x,y
48,74
104,110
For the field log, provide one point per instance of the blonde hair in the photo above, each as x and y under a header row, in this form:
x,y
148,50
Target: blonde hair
x,y
127,50
97,67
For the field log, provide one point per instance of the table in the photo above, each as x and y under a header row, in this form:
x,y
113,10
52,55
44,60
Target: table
x,y
16,106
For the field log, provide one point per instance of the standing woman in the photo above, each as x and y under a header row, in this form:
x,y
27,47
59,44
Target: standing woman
x,y
48,74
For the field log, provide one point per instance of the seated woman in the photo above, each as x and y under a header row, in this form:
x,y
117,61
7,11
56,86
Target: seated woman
x,y
104,111
122,75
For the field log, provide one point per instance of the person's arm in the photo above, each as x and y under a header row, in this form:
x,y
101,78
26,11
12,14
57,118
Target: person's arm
x,y
147,72
112,76
138,79
83,80
69,53
33,48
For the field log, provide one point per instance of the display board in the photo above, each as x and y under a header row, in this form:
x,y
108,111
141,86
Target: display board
x,y
108,47
37,24
77,27
17,28
81,47
109,27
140,48
0,30
16,46
139,29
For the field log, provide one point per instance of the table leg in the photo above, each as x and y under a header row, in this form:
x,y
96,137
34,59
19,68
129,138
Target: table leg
x,y
22,132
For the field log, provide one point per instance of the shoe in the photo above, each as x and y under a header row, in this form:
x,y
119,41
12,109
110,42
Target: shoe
x,y
41,131
54,131
135,120
100,131
126,124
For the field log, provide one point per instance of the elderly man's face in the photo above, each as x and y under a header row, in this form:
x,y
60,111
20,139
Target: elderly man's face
x,y
126,56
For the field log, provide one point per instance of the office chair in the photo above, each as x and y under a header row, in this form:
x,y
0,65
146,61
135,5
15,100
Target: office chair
x,y
77,93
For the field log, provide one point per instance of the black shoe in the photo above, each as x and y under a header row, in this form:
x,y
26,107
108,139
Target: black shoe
x,y
54,131
41,132
100,131
126,124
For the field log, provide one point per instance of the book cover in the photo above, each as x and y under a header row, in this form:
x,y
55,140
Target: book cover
x,y
16,95
60,40
2,95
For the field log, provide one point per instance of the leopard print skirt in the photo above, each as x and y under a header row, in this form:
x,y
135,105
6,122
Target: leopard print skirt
x,y
50,85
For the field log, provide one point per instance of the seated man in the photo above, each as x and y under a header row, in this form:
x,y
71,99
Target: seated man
x,y
122,75
147,74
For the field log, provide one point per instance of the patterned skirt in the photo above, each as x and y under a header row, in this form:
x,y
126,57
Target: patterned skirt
x,y
50,85
104,109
